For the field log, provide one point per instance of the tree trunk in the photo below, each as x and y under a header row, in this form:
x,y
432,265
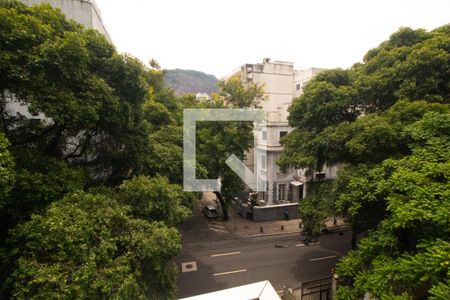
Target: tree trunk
x,y
223,205
353,239
53,148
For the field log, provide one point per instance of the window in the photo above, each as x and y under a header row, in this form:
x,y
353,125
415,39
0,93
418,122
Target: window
x,y
281,191
320,176
265,194
264,135
290,193
282,134
263,162
298,86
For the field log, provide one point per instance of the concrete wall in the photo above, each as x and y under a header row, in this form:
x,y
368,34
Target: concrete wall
x,y
272,135
14,107
269,213
301,77
275,77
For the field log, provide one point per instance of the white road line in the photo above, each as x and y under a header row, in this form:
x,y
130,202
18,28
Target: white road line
x,y
311,244
322,258
216,223
231,272
216,226
218,230
226,254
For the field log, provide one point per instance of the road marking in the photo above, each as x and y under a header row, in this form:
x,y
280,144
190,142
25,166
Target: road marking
x,y
218,230
216,222
311,244
226,254
231,272
217,226
322,258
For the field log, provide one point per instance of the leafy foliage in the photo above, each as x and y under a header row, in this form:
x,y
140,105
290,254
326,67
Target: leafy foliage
x,y
88,246
76,116
86,98
386,123
6,170
155,199
216,141
316,207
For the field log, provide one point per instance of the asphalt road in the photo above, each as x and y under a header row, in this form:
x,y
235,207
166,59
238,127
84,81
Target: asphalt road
x,y
226,261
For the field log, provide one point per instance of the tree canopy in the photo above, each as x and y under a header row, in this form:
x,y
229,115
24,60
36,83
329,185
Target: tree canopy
x,y
90,156
89,246
7,173
385,122
217,140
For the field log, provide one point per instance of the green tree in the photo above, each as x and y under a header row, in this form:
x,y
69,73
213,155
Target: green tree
x,y
93,118
408,252
316,208
93,111
88,246
155,199
86,99
216,141
7,173
385,122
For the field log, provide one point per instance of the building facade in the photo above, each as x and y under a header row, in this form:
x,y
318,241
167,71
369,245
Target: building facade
x,y
281,83
85,12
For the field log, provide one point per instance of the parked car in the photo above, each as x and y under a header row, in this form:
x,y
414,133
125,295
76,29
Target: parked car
x,y
210,212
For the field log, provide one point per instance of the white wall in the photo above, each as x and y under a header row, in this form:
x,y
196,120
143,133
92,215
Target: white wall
x,y
279,82
301,77
82,11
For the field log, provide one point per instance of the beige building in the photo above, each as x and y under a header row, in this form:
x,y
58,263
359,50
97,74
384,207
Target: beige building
x,y
282,83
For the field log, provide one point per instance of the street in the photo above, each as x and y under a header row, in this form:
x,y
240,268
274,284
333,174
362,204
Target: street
x,y
217,260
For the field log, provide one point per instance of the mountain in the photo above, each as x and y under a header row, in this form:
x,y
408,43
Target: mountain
x,y
190,81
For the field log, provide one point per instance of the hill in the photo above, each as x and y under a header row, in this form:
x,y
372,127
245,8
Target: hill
x,y
190,81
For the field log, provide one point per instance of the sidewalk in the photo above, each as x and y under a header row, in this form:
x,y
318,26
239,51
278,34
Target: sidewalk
x,y
245,228
242,227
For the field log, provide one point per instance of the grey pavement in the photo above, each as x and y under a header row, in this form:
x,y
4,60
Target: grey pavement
x,y
218,255
241,227
282,259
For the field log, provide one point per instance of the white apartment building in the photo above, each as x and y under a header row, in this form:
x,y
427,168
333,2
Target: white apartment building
x,y
281,83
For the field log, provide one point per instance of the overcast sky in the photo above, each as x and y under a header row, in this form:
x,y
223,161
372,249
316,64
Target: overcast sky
x,y
217,36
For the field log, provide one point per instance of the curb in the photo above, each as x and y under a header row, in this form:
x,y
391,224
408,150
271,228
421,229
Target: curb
x,y
274,233
337,227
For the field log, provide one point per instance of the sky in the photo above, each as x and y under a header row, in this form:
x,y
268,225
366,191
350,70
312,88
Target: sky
x,y
218,36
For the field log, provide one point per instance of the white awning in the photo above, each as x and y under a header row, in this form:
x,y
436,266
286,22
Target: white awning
x,y
296,183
